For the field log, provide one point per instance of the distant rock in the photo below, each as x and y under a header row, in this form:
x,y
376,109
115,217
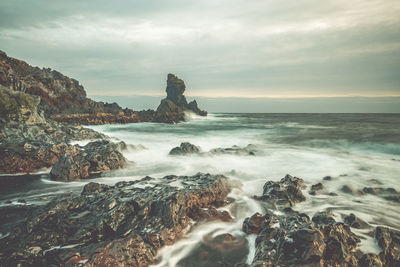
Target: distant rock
x,y
188,148
249,150
185,148
172,108
389,193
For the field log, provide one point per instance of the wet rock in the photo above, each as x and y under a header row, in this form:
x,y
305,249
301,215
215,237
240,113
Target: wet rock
x,y
120,225
236,150
221,250
256,222
207,214
323,218
298,241
284,193
389,242
94,188
96,157
327,178
316,188
355,222
346,189
370,260
185,148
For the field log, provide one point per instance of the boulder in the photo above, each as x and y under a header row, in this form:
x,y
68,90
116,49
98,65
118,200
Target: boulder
x,y
284,193
185,148
96,157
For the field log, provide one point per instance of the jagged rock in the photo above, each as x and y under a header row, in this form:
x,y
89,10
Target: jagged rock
x,y
355,222
298,241
256,222
23,157
96,157
61,98
19,107
389,241
323,218
28,141
284,193
185,148
120,225
172,108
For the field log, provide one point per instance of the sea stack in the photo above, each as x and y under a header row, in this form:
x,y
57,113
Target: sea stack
x,y
172,108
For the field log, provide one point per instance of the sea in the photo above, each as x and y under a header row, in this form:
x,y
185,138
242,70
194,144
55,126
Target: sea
x,y
355,150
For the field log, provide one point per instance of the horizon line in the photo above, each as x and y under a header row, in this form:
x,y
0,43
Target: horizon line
x,y
253,97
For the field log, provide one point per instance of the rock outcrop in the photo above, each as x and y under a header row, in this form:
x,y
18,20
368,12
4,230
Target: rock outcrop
x,y
186,148
121,225
94,158
29,141
63,99
60,96
172,108
291,238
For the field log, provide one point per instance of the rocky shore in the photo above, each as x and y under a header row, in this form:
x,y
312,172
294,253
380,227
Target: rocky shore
x,y
30,142
121,225
128,223
63,99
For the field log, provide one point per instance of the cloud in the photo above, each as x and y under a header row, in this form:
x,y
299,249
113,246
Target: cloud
x,y
235,47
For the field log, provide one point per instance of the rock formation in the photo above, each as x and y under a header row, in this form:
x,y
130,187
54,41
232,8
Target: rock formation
x,y
121,225
63,99
172,108
188,148
29,142
96,157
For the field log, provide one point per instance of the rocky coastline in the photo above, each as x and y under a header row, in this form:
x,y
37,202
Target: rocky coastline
x,y
128,223
64,99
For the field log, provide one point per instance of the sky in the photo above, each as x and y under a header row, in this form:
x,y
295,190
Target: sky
x,y
272,50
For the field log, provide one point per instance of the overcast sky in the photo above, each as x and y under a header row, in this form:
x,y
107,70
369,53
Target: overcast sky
x,y
230,48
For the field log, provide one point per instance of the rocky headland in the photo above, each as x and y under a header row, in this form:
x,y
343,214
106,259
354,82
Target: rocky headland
x,y
41,113
64,99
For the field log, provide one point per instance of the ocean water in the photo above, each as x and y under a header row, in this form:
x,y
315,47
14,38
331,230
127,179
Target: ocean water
x,y
357,150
